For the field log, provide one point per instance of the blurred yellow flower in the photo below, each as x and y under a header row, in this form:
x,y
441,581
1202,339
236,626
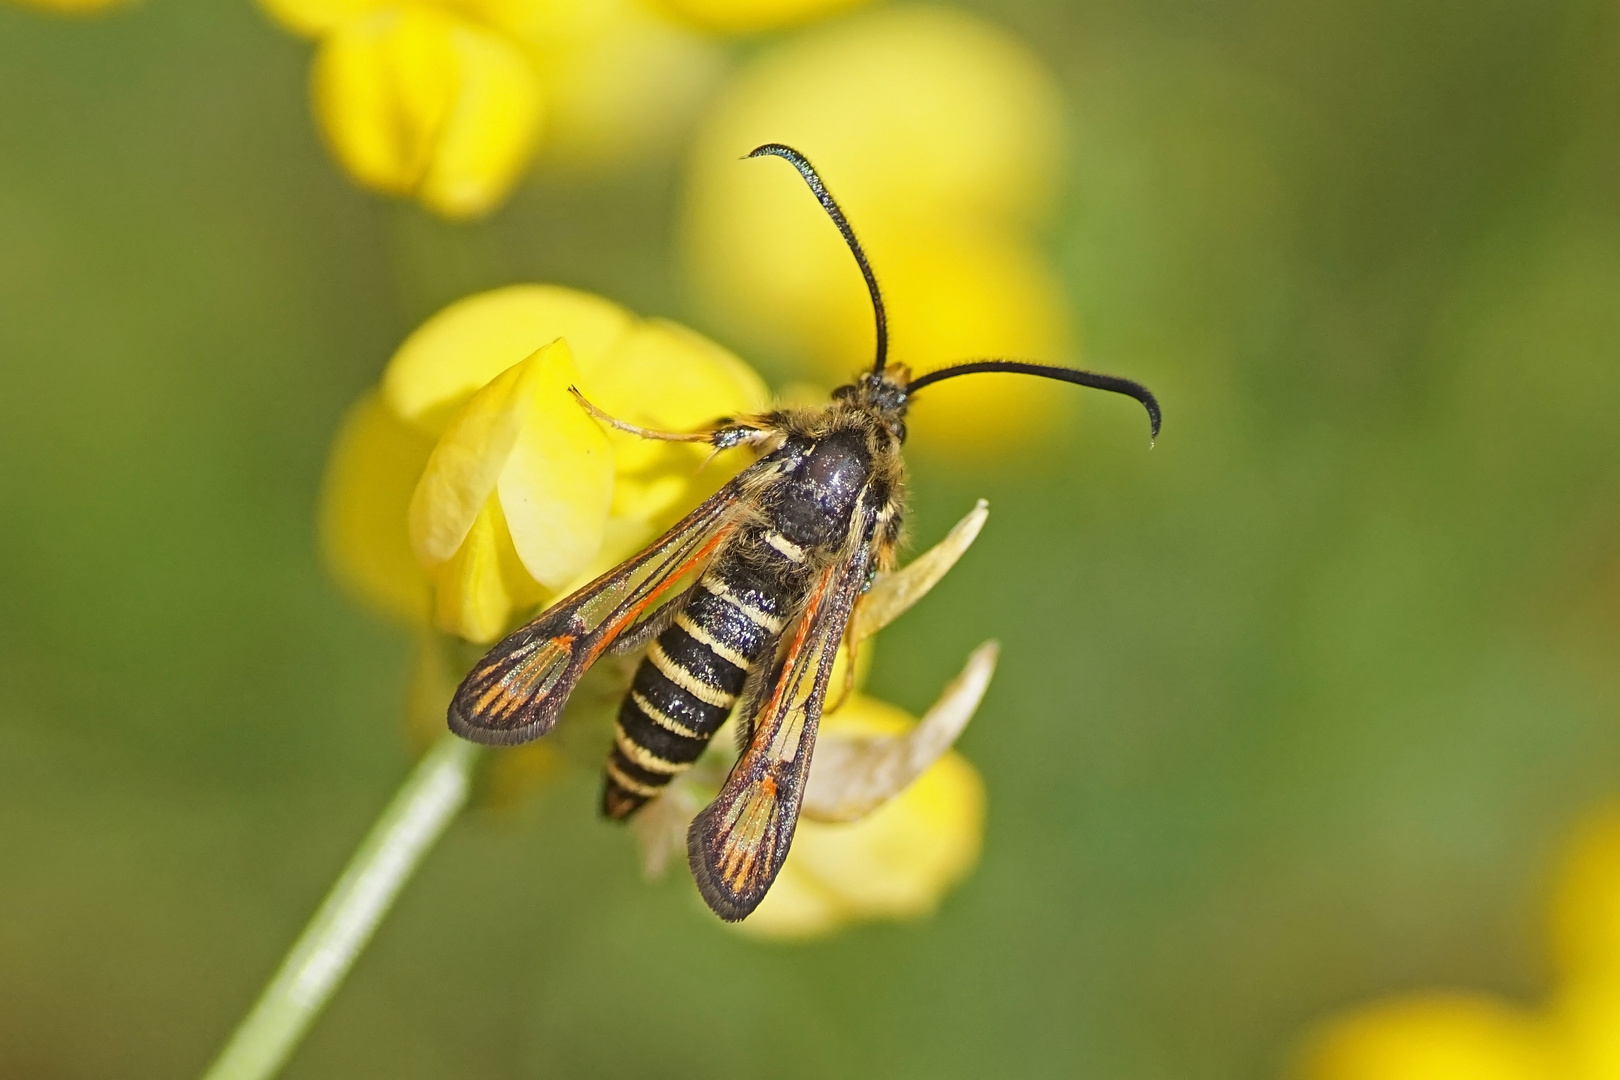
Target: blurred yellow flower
x,y
418,101
73,7
1441,1036
1433,1037
446,101
473,487
748,16
940,136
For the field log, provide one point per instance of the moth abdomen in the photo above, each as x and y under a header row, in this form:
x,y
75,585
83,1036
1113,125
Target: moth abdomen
x,y
686,686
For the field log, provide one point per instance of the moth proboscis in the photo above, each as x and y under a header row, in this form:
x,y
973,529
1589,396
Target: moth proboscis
x,y
773,566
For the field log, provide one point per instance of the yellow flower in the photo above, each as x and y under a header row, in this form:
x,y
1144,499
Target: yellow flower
x,y
1574,1036
418,101
939,134
748,16
446,101
472,487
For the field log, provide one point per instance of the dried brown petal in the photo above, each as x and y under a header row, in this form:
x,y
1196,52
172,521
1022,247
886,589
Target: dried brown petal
x,y
894,592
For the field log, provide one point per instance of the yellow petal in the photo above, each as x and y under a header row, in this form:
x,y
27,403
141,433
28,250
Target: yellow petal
x,y
622,93
1440,1036
524,437
480,590
1584,1018
742,16
662,375
557,483
895,863
313,17
467,461
489,134
415,100
373,468
1586,899
383,84
467,344
797,908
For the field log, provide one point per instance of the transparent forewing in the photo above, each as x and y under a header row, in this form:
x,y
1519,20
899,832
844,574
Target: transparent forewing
x,y
737,844
516,692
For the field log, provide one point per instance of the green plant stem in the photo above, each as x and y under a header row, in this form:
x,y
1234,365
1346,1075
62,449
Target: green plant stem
x,y
430,799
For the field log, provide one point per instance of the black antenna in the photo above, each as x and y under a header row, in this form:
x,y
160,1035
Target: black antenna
x,y
1113,384
829,204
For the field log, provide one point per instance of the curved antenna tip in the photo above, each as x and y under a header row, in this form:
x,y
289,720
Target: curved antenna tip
x,y
1111,383
830,205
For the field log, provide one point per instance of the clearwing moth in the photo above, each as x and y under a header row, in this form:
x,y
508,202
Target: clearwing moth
x,y
772,567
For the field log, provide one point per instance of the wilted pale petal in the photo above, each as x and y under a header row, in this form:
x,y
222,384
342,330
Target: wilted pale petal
x,y
854,773
468,343
415,100
744,16
1435,1037
1586,900
894,592
661,827
375,463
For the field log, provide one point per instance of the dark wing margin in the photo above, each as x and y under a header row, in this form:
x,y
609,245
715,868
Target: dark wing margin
x,y
738,843
517,691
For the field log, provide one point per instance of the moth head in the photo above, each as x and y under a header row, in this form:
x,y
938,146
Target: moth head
x,y
886,394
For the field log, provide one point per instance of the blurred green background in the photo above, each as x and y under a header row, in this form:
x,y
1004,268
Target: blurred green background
x,y
1292,711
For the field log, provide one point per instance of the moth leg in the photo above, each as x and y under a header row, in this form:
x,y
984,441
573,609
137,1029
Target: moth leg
x,y
723,435
852,645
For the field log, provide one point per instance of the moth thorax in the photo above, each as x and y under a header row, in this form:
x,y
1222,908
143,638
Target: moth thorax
x,y
820,496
